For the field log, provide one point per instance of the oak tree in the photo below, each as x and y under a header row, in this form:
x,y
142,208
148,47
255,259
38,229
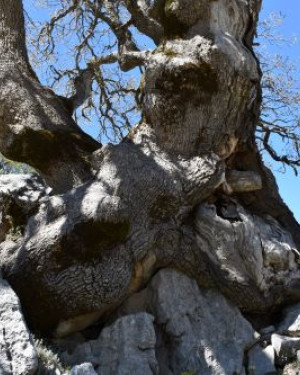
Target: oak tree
x,y
185,188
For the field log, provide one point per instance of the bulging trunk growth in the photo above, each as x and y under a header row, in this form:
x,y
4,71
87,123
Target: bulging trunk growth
x,y
186,189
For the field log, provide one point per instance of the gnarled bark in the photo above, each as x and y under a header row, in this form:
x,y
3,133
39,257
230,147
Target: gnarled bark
x,y
180,191
35,126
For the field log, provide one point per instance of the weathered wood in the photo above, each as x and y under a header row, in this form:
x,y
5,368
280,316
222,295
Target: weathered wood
x,y
158,198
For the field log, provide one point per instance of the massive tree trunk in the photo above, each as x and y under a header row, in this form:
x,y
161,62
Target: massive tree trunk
x,y
186,189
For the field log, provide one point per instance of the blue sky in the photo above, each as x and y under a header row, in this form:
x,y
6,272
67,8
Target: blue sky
x,y
289,184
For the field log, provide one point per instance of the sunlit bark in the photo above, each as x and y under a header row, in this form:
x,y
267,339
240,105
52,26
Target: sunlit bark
x,y
185,189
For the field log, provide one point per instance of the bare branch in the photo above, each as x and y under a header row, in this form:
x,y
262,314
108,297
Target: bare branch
x,y
143,21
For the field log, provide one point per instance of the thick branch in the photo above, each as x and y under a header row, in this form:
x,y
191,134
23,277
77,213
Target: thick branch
x,y
128,59
35,126
142,20
12,32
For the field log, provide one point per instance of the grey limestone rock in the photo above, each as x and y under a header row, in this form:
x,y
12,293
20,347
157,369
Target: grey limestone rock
x,y
261,361
291,321
125,347
83,369
19,196
184,329
285,348
291,369
25,189
128,347
17,354
203,333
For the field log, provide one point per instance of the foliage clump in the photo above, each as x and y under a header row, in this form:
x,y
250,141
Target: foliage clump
x,y
8,166
49,361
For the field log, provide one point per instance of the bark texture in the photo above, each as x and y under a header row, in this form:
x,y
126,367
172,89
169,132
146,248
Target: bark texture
x,y
186,189
33,121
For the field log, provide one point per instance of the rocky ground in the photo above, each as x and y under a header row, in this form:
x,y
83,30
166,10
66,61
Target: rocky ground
x,y
169,328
